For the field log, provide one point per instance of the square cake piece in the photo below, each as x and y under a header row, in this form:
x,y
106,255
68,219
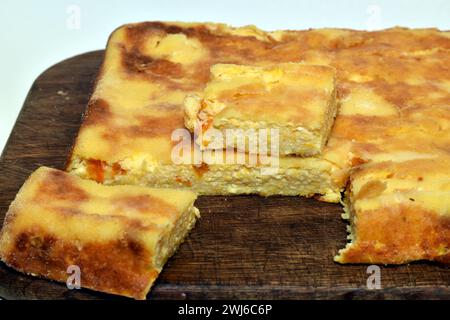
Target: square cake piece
x,y
297,100
398,212
118,236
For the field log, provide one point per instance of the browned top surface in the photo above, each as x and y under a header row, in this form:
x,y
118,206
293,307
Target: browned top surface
x,y
284,94
243,247
393,85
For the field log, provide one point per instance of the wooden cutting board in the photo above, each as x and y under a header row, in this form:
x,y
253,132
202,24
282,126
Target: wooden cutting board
x,y
242,247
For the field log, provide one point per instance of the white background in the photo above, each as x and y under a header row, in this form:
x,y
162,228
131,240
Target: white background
x,y
37,34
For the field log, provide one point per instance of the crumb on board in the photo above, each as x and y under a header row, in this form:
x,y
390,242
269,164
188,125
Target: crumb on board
x,y
64,94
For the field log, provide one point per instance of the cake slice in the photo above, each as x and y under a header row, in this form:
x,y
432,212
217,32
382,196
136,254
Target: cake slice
x,y
120,237
399,211
297,100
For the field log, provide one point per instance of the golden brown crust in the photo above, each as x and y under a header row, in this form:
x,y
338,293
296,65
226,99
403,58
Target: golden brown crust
x,y
117,267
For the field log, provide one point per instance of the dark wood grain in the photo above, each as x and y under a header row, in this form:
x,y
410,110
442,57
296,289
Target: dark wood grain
x,y
243,246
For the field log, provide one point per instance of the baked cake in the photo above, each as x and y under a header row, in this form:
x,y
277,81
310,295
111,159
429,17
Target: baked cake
x,y
393,90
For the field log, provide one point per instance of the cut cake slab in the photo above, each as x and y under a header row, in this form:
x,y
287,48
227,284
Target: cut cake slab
x,y
393,91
